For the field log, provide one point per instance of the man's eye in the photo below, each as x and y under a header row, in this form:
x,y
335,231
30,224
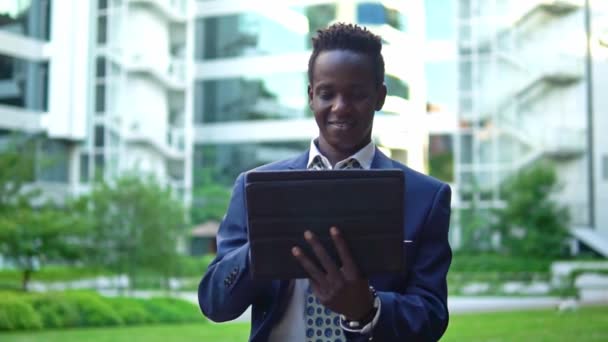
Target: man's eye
x,y
326,95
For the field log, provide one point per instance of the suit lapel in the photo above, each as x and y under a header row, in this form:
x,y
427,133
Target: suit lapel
x,y
300,162
381,161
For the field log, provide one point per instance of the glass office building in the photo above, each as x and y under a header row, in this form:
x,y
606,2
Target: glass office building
x,y
523,94
105,101
250,87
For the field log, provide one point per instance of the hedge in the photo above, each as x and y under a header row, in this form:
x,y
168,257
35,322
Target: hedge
x,y
27,311
17,314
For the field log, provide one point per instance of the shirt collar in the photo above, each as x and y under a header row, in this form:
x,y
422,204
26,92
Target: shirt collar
x,y
364,156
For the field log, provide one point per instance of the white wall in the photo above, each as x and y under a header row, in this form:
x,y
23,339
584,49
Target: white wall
x,y
147,37
69,69
147,160
573,180
600,126
146,110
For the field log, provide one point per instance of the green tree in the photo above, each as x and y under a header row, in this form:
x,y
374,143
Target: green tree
x,y
209,200
32,235
136,226
17,157
532,223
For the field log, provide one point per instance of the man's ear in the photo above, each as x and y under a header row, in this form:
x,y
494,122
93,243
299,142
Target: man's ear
x,y
310,96
381,97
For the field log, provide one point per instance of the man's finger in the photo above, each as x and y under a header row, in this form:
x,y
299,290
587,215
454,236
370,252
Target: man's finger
x,y
351,271
326,261
311,269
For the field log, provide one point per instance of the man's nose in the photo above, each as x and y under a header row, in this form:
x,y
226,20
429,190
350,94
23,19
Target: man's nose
x,y
341,103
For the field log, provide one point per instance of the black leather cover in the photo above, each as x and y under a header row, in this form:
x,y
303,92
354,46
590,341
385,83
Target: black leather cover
x,y
366,205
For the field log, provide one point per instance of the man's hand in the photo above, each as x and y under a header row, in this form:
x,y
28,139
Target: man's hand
x,y
341,290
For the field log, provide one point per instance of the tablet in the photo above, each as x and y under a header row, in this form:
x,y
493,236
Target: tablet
x,y
366,205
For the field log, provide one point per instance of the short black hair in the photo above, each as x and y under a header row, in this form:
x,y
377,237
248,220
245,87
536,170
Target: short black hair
x,y
341,36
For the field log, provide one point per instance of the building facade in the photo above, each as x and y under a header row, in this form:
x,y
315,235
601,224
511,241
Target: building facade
x,y
250,80
106,96
523,94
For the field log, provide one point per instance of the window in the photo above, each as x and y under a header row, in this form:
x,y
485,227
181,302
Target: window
x,y
252,34
396,87
99,166
100,98
377,14
23,83
222,163
84,168
53,164
101,67
277,96
29,18
605,168
99,136
102,30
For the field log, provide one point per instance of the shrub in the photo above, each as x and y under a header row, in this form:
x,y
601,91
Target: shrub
x,y
131,311
84,309
171,310
15,313
93,310
55,310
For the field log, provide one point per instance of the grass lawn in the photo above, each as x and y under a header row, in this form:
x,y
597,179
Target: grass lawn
x,y
587,324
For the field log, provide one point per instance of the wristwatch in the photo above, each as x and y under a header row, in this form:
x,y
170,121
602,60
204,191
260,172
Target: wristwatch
x,y
366,324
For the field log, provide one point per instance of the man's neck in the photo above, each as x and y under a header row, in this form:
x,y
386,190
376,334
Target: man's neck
x,y
334,155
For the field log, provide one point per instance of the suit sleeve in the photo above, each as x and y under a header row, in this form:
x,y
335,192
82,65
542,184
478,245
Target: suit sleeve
x,y
420,312
226,290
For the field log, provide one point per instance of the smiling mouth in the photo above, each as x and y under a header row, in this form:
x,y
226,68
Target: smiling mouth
x,y
342,124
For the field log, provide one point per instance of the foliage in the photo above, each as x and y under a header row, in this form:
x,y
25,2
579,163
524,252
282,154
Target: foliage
x,y
17,314
476,229
136,226
87,309
172,310
17,160
441,166
31,236
131,310
194,266
209,200
532,223
31,232
55,311
93,310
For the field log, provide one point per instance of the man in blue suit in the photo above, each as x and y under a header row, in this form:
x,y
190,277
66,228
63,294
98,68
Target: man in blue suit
x,y
346,73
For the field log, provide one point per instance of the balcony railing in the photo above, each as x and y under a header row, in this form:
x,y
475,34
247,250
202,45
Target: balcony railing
x,y
176,139
172,74
174,9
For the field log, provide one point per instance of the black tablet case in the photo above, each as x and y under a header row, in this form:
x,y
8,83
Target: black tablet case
x,y
366,205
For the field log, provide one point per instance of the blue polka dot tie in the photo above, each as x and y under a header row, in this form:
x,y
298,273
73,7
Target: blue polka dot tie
x,y
322,324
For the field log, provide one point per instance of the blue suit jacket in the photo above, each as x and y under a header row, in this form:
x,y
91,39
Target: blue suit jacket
x,y
414,305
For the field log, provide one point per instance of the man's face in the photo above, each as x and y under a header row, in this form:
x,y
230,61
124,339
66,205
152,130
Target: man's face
x,y
344,97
